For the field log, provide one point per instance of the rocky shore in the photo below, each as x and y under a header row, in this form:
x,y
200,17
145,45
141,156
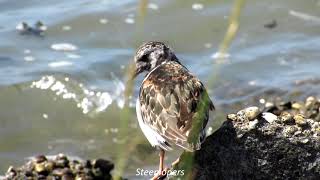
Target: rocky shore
x,y
277,141
61,167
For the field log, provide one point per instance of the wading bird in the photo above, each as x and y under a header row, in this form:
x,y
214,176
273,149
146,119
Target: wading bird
x,y
173,105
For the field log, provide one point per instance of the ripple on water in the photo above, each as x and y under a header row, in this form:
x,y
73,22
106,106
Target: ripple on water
x,y
60,64
153,6
89,100
197,6
64,47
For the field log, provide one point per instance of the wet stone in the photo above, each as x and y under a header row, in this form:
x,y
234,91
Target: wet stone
x,y
253,124
289,131
56,168
83,177
61,157
261,149
310,102
297,106
248,114
42,177
40,159
300,120
286,117
28,173
62,163
67,174
58,172
40,168
232,117
286,105
269,117
104,165
49,166
269,105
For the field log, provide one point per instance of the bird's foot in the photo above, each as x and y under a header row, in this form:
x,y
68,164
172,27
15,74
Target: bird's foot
x,y
162,174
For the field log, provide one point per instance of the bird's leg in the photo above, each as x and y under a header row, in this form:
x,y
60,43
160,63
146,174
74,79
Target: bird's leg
x,y
174,163
161,164
162,172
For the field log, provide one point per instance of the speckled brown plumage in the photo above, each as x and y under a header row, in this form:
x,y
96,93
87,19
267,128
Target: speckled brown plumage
x,y
173,105
169,99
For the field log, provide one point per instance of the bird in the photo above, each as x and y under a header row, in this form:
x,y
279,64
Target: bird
x,y
173,105
38,29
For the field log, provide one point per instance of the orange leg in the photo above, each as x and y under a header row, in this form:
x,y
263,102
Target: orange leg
x,y
161,174
175,162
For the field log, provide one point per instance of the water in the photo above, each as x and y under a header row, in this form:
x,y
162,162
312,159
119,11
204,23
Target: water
x,y
71,101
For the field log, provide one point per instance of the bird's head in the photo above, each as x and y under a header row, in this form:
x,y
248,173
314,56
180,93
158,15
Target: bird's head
x,y
151,54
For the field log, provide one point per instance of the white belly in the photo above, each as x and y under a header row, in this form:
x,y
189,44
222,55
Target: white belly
x,y
154,138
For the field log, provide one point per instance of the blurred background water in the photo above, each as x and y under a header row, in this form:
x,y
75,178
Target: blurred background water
x,y
71,100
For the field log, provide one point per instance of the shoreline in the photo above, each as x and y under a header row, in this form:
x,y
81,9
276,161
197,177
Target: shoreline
x,y
278,140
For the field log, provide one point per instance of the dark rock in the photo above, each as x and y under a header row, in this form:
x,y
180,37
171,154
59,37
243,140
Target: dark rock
x,y
40,159
67,174
105,166
268,150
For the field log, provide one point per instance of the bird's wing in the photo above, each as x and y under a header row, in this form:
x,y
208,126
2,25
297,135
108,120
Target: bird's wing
x,y
176,105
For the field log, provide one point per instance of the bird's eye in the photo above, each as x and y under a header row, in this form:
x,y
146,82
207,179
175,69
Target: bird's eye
x,y
144,58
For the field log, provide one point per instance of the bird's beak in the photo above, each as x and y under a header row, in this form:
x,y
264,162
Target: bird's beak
x,y
136,72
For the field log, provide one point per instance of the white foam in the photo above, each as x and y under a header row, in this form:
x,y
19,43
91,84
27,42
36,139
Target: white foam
x,y
60,64
29,58
197,6
64,47
129,20
66,28
153,6
103,21
219,55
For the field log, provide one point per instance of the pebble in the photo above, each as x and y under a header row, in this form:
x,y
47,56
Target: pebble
x,y
49,165
57,172
51,168
232,117
253,124
297,133
249,113
300,120
40,167
269,117
310,101
286,117
103,165
286,105
304,141
289,131
297,106
40,159
262,101
269,104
